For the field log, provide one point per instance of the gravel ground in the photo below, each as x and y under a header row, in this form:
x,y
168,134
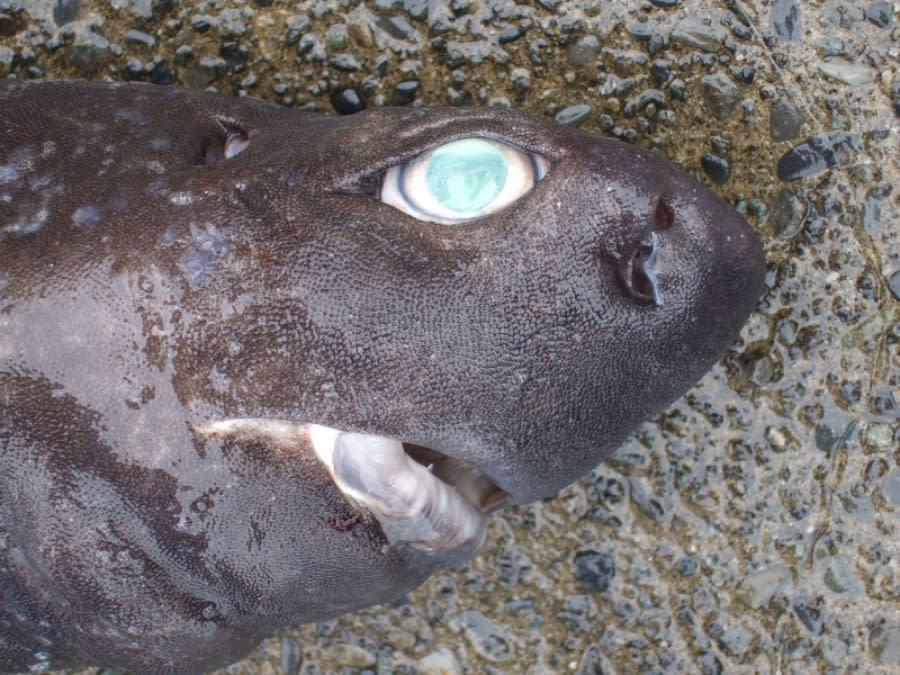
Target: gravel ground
x,y
753,527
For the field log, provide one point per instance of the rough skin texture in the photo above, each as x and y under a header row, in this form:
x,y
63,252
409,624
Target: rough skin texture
x,y
149,286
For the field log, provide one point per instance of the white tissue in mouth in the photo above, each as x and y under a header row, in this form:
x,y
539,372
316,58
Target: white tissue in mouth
x,y
410,503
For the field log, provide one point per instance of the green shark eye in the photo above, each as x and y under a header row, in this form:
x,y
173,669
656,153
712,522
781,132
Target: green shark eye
x,y
462,180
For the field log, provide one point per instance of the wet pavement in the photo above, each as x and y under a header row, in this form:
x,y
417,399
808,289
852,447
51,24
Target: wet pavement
x,y
752,527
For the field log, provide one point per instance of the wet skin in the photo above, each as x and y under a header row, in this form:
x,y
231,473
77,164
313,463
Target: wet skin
x,y
215,336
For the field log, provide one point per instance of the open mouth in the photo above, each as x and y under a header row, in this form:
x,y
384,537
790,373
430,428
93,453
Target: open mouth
x,y
421,497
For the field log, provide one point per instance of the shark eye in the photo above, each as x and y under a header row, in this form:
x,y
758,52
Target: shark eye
x,y
462,180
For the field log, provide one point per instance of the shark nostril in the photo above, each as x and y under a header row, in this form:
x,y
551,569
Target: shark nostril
x,y
664,215
637,272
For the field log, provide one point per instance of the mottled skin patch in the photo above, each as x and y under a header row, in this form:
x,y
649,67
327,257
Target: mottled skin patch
x,y
151,284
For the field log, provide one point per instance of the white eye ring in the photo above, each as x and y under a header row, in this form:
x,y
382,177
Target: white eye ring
x,y
462,180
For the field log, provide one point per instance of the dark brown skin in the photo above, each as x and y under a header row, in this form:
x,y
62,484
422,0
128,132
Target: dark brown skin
x,y
150,286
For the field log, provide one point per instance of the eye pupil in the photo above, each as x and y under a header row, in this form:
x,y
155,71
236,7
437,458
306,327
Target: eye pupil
x,y
466,175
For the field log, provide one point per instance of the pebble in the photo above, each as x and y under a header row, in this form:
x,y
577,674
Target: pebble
x,y
885,642
353,655
787,213
721,94
815,155
346,101
757,589
594,570
840,578
717,168
785,120
440,662
694,32
486,638
851,73
574,116
786,20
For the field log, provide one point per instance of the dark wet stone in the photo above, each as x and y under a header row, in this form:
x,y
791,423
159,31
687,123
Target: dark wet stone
x,y
263,3
661,71
816,154
347,101
9,25
786,20
404,92
720,93
574,115
202,22
182,55
163,7
809,616
665,3
397,27
894,284
748,74
880,14
584,51
678,89
534,51
163,75
509,34
291,655
787,214
459,96
65,11
717,168
640,30
417,9
460,7
234,52
784,120
594,570
688,566
693,32
345,62
133,69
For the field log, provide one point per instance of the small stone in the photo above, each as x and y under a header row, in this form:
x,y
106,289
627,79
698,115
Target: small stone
x,y
840,578
890,487
353,655
816,154
405,92
440,662
854,74
486,638
594,570
584,51
509,34
347,101
721,94
693,32
885,643
397,27
291,656
757,589
787,214
717,168
139,37
786,20
894,284
345,62
574,115
785,120
880,14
